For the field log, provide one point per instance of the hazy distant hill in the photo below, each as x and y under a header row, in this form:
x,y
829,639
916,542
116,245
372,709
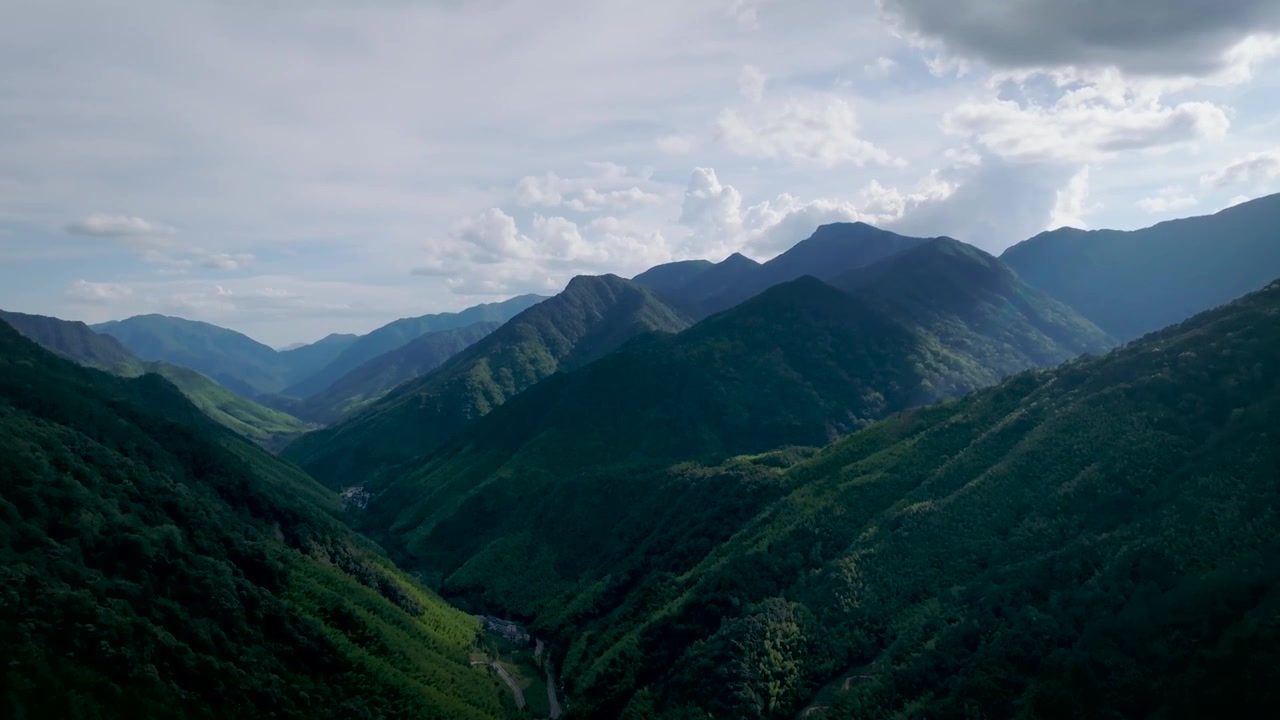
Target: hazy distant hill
x,y
375,378
399,333
77,342
1132,283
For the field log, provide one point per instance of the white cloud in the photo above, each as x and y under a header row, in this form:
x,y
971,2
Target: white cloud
x,y
1083,125
1071,203
83,291
751,83
1167,200
226,261
1237,200
591,199
822,130
1255,170
676,144
539,190
881,67
118,226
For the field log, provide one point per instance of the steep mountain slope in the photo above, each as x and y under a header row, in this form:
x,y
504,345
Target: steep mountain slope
x,y
672,276
236,361
156,565
831,251
378,376
969,299
592,317
270,428
1131,283
1100,540
798,364
77,342
306,360
397,334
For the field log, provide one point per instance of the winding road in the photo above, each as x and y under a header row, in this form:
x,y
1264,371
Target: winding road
x,y
511,683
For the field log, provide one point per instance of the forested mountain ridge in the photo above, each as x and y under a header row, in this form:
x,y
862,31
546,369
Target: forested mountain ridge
x,y
797,365
1131,283
375,378
397,334
77,342
1097,540
832,250
592,317
157,565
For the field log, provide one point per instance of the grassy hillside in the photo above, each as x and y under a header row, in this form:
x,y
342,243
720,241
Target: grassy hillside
x,y
397,334
592,317
1132,283
270,428
156,565
375,378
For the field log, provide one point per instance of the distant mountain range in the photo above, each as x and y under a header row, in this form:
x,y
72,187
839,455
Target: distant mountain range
x,y
591,318
398,334
1133,283
77,342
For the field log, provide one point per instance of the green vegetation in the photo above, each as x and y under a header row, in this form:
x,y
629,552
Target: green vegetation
x,y
270,428
77,342
592,317
377,377
400,333
1095,540
1132,283
153,564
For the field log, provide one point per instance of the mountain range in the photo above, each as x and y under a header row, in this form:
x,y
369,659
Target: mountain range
x,y
876,476
591,318
78,343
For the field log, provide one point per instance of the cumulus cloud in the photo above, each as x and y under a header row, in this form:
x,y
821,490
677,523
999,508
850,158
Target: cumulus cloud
x,y
719,222
1083,125
1166,200
1151,37
591,199
541,190
539,259
118,226
83,291
1255,170
1071,203
823,130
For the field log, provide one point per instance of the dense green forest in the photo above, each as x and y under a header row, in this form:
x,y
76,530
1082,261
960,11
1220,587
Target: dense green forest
x,y
77,342
591,318
1096,540
156,565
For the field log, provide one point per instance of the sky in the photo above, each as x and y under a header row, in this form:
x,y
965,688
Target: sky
x,y
291,169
